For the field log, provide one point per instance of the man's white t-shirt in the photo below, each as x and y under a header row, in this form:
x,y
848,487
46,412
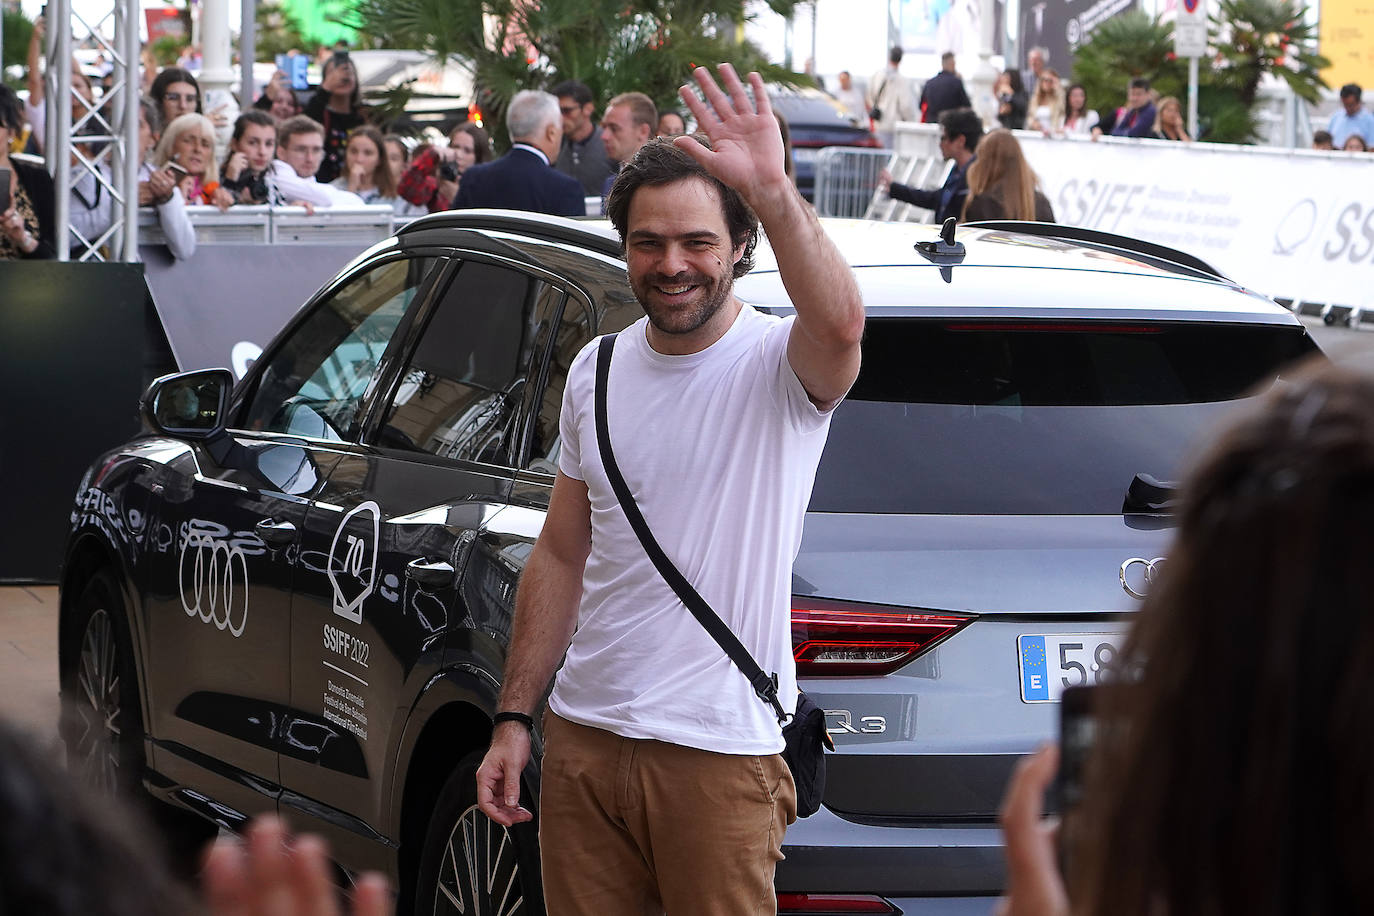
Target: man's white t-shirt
x,y
720,450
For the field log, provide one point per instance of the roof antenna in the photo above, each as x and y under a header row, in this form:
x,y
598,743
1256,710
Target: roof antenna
x,y
946,250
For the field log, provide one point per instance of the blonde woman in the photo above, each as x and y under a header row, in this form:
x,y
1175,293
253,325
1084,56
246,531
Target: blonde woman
x,y
1169,124
188,148
1047,105
1001,184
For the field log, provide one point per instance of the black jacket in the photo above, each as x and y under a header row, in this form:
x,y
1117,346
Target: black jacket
x,y
988,205
37,183
942,92
520,180
956,183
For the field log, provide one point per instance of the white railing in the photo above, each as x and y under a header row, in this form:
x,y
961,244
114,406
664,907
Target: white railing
x,y
248,225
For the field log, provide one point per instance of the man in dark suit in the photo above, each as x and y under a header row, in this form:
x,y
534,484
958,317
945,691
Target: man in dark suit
x,y
943,91
523,179
960,131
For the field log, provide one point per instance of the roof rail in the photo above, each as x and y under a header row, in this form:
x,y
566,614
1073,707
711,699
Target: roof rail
x,y
550,228
1161,255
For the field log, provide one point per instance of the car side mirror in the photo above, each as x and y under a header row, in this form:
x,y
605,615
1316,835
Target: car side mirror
x,y
191,405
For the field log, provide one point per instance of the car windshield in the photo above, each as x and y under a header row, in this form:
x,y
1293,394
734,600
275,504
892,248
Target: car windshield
x,y
1012,418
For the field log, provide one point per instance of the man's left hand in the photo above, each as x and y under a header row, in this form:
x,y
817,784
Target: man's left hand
x,y
747,151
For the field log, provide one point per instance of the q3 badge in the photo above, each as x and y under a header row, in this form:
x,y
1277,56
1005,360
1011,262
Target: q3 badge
x,y
352,566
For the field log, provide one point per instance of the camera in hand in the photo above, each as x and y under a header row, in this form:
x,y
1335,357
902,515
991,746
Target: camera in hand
x,y
448,171
254,182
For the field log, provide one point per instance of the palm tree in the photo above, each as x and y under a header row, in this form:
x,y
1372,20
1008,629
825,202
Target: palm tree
x,y
613,46
1255,37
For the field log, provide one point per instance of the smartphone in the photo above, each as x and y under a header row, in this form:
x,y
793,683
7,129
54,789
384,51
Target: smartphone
x,y
5,200
178,168
1079,730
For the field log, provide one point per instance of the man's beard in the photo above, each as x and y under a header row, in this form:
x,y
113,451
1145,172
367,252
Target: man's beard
x,y
710,295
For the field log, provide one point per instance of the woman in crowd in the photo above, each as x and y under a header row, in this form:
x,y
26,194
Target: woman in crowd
x,y
158,188
1001,184
1355,144
1011,100
433,176
278,98
1079,119
252,148
1169,124
27,218
1237,778
176,93
338,105
189,145
1047,105
367,172
397,155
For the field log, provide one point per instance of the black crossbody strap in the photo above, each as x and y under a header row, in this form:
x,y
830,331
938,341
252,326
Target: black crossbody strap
x,y
765,685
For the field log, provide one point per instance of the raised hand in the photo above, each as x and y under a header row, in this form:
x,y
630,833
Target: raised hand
x,y
269,873
1034,887
747,151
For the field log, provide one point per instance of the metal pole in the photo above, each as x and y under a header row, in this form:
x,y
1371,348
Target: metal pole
x,y
126,38
248,53
1192,97
60,111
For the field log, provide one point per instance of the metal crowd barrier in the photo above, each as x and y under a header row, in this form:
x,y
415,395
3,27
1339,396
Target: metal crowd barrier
x,y
245,225
847,183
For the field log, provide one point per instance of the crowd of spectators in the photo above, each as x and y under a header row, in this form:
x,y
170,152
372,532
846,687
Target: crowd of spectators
x,y
326,152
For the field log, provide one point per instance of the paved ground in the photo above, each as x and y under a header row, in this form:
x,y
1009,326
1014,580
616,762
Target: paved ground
x,y
28,658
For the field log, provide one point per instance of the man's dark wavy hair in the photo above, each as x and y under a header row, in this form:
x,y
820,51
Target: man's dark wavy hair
x,y
659,162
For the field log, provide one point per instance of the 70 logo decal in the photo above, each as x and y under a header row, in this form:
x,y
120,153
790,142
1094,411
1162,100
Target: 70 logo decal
x,y
352,567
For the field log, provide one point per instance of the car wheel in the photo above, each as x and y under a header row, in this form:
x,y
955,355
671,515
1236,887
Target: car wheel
x,y
102,720
103,727
471,864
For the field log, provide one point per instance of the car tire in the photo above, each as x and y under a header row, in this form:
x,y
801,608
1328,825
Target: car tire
x,y
465,853
102,718
102,724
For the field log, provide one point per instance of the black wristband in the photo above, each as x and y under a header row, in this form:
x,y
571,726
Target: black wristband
x,y
512,716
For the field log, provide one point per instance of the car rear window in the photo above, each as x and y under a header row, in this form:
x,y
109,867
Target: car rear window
x,y
1012,418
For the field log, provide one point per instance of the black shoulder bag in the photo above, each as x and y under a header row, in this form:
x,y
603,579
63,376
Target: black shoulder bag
x,y
804,731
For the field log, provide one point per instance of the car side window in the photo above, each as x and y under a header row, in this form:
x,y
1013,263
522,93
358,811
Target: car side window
x,y
460,394
316,384
574,331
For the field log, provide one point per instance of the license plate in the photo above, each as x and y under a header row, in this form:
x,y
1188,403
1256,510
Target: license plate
x,y
1051,663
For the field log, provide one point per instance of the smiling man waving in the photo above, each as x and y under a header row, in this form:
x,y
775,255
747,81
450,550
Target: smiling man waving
x,y
662,783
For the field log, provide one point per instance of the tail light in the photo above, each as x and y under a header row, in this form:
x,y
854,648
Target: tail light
x,y
832,904
832,639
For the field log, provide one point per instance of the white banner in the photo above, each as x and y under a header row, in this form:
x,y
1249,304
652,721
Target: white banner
x,y
1292,224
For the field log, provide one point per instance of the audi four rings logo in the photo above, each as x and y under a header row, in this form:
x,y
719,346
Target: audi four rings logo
x,y
213,579
1139,571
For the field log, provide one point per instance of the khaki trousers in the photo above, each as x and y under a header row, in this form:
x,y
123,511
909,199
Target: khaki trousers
x,y
629,827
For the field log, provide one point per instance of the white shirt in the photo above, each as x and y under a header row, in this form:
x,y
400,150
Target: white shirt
x,y
295,188
171,215
720,450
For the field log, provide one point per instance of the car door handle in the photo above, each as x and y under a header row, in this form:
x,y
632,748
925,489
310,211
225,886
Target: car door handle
x,y
275,533
430,574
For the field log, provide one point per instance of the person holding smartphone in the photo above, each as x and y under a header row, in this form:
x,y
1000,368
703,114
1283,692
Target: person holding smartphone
x,y
187,148
27,203
1231,774
338,106
157,188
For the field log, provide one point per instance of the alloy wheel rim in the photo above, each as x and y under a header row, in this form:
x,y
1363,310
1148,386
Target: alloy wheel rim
x,y
480,871
98,706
